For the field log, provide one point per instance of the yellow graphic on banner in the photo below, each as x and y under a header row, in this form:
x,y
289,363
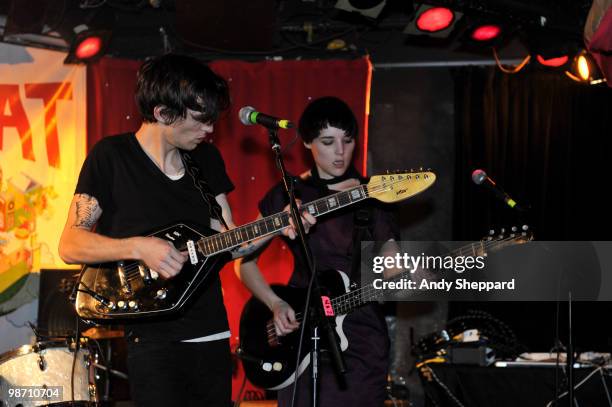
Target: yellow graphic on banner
x,y
42,146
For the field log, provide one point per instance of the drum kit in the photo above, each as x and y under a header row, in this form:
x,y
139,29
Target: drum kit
x,y
60,371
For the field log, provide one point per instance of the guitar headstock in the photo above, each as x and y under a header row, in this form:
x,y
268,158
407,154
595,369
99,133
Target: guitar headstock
x,y
511,236
397,186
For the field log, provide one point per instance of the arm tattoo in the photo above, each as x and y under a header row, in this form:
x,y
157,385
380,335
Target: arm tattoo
x,y
244,250
87,211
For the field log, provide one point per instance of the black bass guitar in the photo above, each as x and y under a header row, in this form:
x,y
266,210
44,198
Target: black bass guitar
x,y
130,289
269,360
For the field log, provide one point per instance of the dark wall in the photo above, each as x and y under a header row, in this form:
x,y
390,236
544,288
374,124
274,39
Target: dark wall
x,y
411,126
545,139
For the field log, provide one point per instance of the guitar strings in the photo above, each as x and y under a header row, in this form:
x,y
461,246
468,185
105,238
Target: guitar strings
x,y
372,187
483,246
354,297
132,270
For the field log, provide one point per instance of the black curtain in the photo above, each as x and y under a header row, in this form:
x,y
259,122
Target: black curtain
x,y
546,140
542,137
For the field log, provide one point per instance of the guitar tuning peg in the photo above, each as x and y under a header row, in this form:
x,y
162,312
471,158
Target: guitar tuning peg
x,y
525,228
502,231
421,169
491,232
514,229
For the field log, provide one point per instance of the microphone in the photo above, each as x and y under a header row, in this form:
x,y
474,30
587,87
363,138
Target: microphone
x,y
481,178
248,116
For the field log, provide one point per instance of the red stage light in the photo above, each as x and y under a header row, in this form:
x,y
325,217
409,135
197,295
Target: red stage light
x,y
553,62
88,48
486,32
435,19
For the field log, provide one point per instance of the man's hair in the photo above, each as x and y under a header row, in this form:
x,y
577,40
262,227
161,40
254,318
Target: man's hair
x,y
324,112
178,83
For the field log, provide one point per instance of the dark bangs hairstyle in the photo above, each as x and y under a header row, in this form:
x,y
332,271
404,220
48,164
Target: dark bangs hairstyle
x,y
178,83
324,112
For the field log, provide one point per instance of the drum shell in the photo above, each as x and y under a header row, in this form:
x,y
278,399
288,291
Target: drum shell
x,y
48,364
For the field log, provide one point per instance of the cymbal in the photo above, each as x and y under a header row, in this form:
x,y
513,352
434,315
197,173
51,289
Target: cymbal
x,y
103,332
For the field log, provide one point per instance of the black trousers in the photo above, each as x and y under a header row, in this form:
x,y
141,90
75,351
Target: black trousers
x,y
180,374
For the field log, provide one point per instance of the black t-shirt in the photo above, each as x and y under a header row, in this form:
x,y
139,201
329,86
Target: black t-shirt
x,y
137,199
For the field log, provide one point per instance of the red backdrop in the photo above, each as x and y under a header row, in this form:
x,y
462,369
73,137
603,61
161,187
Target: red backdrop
x,y
281,88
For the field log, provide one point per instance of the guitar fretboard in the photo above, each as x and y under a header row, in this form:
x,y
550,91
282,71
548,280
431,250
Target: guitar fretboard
x,y
271,224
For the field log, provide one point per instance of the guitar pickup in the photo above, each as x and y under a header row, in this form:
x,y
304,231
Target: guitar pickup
x,y
123,280
273,338
193,254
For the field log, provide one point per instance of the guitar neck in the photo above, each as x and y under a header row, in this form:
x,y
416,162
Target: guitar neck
x,y
271,224
352,300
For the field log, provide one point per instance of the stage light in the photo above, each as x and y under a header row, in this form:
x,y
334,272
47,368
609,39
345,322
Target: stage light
x,y
554,62
367,8
88,46
584,69
435,19
486,33
550,49
432,22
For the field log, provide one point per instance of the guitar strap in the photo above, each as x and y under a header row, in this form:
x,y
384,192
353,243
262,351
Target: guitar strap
x,y
214,209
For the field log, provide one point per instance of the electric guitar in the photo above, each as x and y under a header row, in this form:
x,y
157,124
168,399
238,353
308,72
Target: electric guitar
x,y
269,360
129,289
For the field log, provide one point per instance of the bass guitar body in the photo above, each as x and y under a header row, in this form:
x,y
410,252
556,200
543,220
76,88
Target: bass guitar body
x,y
269,360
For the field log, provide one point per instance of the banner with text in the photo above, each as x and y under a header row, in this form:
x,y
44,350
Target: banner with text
x,y
42,147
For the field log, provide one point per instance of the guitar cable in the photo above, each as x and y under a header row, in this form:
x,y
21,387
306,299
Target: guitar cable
x,y
74,359
598,369
443,386
240,391
104,301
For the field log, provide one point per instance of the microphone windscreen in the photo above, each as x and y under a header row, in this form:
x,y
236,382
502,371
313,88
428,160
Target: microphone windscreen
x,y
478,176
244,114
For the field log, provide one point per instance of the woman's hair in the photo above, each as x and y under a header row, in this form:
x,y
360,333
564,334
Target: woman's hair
x,y
178,83
324,112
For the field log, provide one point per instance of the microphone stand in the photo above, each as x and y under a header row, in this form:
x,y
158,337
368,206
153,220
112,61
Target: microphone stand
x,y
314,305
570,354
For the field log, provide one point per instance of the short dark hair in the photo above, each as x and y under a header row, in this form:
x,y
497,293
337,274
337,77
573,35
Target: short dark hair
x,y
178,83
324,112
